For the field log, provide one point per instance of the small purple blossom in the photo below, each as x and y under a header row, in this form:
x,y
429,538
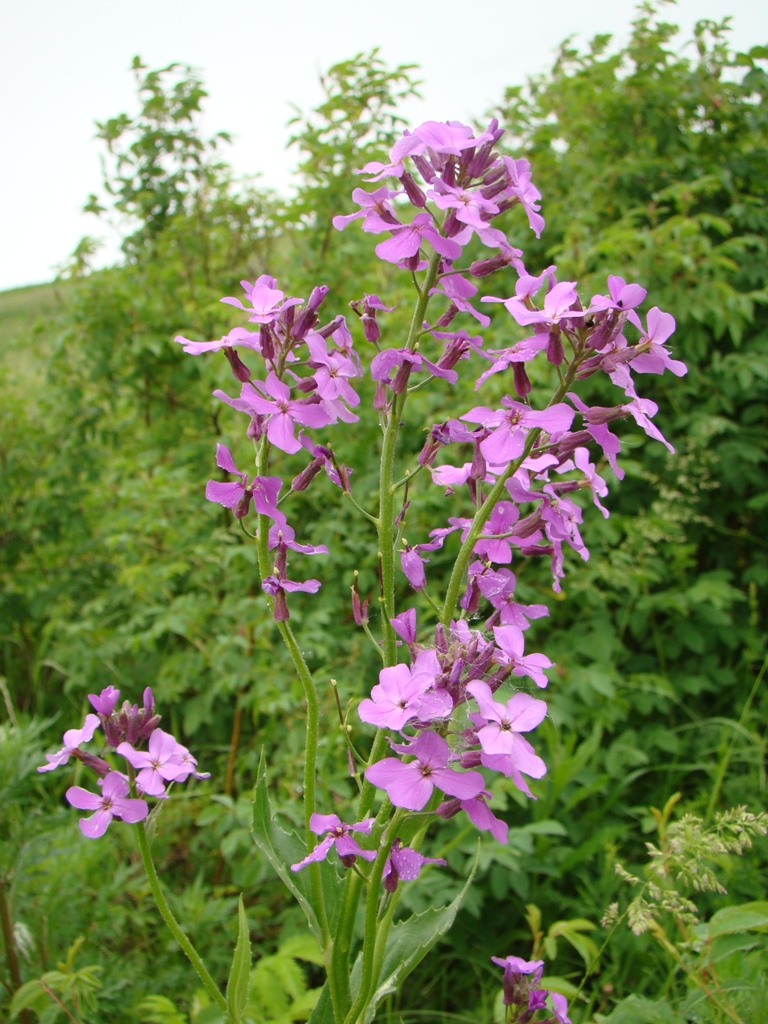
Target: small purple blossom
x,y
113,802
338,835
72,740
404,865
411,784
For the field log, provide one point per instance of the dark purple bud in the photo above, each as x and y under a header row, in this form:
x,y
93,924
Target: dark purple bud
x,y
482,268
305,478
359,608
479,465
521,380
240,511
147,726
449,172
425,168
101,767
307,385
412,190
448,315
267,342
496,171
529,525
400,383
327,330
490,191
470,600
452,225
239,370
347,859
555,353
287,318
380,398
307,318
448,809
412,262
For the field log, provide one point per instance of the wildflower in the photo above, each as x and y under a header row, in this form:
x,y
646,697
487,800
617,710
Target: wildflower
x,y
113,802
338,835
411,785
160,764
404,864
72,740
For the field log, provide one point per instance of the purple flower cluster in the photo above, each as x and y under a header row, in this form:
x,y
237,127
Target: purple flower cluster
x,y
517,466
126,729
523,993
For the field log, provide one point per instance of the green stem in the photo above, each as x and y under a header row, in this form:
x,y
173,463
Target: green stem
x,y
310,698
173,926
368,956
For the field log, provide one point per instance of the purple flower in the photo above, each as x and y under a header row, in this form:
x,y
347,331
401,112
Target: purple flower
x,y
338,835
520,977
265,298
113,802
159,764
413,567
411,785
277,587
510,640
106,702
499,729
407,239
404,693
283,412
404,864
72,740
237,336
509,427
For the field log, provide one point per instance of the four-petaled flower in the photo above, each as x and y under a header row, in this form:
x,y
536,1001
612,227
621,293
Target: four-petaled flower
x,y
338,835
113,802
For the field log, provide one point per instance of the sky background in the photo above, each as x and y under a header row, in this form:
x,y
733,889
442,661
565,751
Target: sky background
x,y
65,65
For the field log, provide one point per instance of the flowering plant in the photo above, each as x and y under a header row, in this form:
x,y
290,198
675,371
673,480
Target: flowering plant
x,y
447,707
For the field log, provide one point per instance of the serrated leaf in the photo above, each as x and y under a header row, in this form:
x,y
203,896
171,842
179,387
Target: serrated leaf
x,y
240,971
407,944
282,849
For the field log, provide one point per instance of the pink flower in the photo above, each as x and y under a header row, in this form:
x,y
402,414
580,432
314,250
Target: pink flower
x,y
72,740
337,835
113,802
411,785
161,763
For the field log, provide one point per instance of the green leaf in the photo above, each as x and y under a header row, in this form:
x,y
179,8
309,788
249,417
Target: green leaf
x,y
636,1010
240,971
31,996
407,944
323,1011
282,849
743,918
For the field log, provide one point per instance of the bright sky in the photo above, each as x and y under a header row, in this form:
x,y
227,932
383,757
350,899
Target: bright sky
x,y
64,65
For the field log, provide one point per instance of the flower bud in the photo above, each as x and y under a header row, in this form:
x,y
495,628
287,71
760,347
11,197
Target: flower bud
x,y
239,370
412,190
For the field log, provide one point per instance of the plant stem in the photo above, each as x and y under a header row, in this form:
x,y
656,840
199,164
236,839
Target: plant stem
x,y
173,926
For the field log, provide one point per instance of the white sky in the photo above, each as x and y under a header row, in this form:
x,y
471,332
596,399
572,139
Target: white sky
x,y
64,64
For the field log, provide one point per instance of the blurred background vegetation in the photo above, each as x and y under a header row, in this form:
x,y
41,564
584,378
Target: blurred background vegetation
x,y
653,165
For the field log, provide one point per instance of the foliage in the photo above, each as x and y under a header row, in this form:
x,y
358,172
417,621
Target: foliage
x,y
653,164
